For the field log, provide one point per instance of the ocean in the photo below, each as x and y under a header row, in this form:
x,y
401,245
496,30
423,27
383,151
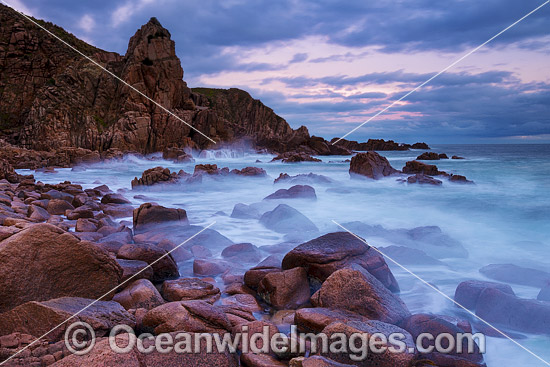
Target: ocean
x,y
503,218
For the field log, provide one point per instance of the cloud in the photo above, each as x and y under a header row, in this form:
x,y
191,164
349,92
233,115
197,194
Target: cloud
x,y
124,12
301,57
356,58
87,23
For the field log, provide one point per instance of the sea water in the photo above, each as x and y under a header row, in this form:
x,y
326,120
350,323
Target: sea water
x,y
503,218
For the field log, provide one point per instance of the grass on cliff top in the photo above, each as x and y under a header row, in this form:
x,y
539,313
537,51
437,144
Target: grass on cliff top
x,y
209,92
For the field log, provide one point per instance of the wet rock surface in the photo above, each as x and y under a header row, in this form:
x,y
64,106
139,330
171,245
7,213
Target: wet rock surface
x,y
355,289
370,164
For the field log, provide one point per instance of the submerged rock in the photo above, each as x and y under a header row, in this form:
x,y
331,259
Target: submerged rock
x,y
511,273
295,192
459,179
409,256
544,294
467,293
286,219
423,180
430,239
310,178
527,315
372,165
243,211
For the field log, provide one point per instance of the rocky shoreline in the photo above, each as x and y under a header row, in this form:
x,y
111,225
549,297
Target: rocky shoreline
x,y
62,246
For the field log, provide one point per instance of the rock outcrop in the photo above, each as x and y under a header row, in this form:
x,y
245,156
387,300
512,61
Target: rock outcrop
x,y
377,144
370,164
44,262
324,255
48,105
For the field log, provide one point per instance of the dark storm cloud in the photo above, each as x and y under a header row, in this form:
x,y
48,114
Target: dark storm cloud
x,y
395,26
396,77
454,111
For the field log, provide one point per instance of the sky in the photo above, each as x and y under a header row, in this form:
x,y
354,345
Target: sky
x,y
331,65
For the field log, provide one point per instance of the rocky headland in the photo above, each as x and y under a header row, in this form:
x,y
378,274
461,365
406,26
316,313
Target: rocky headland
x,y
65,245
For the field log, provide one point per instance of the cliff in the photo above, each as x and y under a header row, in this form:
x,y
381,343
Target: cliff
x,y
51,97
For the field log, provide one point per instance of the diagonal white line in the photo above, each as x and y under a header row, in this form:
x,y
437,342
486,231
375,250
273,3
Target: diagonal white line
x,y
110,72
441,72
443,294
118,286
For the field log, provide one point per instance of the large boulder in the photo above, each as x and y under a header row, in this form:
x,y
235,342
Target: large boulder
x,y
7,172
103,355
436,325
429,156
148,215
135,269
43,262
190,316
38,318
154,176
185,289
526,315
467,293
510,273
372,165
414,167
295,192
286,219
114,199
140,293
58,206
164,266
316,319
355,289
288,289
324,255
371,327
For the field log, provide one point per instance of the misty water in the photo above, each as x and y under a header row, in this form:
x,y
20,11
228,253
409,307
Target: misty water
x,y
503,218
